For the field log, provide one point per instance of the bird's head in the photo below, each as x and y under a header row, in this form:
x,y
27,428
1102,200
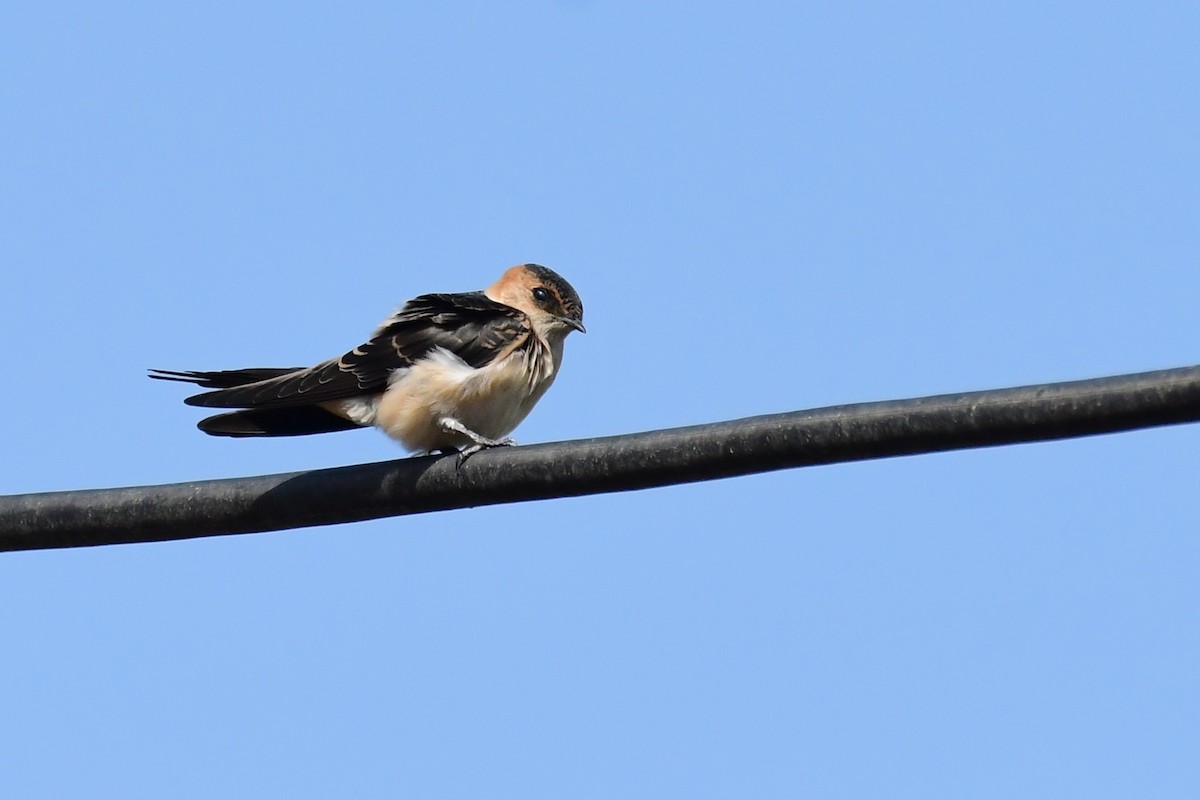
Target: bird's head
x,y
546,298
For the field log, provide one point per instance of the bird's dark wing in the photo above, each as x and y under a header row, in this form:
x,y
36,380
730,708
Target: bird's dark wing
x,y
473,327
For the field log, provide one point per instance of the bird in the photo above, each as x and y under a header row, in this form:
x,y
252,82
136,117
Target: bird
x,y
444,373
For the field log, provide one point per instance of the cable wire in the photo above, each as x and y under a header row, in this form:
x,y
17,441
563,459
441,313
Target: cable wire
x,y
593,466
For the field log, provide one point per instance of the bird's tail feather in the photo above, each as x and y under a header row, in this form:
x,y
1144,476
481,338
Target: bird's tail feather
x,y
294,421
222,379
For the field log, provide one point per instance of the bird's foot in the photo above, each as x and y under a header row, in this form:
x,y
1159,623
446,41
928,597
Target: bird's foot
x,y
467,452
480,442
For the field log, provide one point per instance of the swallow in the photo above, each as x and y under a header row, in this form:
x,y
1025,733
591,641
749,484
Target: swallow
x,y
447,372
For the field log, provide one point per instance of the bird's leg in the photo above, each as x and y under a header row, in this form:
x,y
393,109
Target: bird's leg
x,y
451,424
480,442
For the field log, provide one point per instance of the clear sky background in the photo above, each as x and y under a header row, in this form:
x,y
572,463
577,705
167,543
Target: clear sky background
x,y
765,207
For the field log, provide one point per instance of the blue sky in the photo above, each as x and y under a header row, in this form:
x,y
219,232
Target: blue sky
x,y
765,207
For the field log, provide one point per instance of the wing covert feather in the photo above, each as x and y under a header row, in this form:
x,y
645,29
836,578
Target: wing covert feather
x,y
472,326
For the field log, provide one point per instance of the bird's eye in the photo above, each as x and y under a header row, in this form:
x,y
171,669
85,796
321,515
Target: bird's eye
x,y
541,295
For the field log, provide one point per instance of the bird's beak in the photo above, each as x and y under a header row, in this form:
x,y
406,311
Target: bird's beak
x,y
573,323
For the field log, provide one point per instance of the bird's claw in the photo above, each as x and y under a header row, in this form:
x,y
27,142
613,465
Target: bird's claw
x,y
467,452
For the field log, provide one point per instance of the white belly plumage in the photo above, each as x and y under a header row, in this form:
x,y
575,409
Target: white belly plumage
x,y
491,400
